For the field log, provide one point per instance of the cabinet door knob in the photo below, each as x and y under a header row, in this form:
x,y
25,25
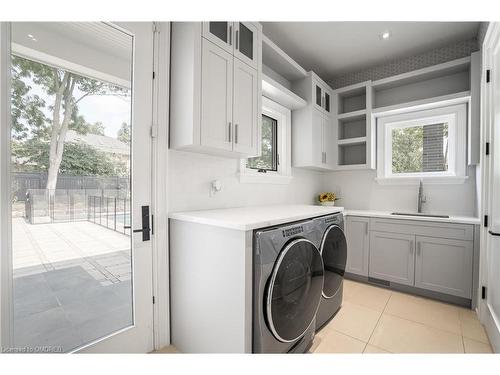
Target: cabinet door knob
x,y
411,247
236,39
229,132
235,133
230,35
419,248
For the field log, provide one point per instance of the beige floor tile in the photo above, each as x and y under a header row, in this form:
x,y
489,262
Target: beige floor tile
x,y
421,310
336,342
167,350
467,314
355,321
399,335
315,344
370,349
473,329
473,346
367,295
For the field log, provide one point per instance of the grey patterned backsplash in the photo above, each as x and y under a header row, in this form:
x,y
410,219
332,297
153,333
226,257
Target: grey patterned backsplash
x,y
398,66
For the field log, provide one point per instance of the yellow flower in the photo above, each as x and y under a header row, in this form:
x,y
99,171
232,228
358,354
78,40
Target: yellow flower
x,y
327,197
323,197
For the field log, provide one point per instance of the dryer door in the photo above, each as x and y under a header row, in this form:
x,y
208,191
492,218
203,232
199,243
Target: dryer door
x,y
334,254
294,290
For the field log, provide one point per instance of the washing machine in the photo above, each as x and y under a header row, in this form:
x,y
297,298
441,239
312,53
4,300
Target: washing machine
x,y
332,244
288,287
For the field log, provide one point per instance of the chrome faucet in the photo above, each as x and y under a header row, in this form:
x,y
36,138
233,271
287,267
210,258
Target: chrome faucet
x,y
421,196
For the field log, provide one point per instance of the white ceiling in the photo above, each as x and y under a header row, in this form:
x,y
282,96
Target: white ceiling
x,y
335,48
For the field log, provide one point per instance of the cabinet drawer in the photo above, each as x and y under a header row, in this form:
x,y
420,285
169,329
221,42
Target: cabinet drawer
x,y
424,228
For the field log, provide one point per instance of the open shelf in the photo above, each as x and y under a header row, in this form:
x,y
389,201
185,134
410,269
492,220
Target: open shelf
x,y
277,92
276,59
439,70
435,81
352,127
351,141
352,154
351,101
352,115
449,99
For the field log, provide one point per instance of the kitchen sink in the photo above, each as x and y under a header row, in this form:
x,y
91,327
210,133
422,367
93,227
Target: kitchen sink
x,y
418,214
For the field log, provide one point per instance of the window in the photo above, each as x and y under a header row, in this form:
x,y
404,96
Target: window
x,y
428,144
268,161
273,165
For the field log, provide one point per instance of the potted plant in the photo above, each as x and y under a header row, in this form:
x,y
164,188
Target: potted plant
x,y
327,199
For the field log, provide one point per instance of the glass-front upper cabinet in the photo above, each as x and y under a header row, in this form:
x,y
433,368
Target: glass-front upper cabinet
x,y
322,98
327,105
245,47
220,33
238,38
318,96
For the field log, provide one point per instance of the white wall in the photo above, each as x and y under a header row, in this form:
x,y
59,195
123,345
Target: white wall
x,y
190,175
359,190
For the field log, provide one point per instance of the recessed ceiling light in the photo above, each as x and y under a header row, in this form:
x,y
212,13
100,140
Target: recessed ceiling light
x,y
385,35
32,37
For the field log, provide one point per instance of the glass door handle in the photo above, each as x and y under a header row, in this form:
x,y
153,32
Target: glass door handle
x,y
146,229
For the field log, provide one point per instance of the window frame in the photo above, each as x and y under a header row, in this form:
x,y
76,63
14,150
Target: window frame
x,y
283,174
456,117
275,137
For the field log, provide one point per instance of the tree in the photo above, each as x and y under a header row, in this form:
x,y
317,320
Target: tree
x,y
124,133
95,128
28,110
407,148
79,159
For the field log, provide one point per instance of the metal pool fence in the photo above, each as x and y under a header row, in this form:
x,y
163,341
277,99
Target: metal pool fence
x,y
109,208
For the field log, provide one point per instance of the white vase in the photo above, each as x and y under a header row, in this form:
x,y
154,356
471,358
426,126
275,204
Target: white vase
x,y
328,204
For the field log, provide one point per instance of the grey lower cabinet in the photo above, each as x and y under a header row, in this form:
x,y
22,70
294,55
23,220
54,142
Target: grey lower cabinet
x,y
444,265
433,256
392,257
358,245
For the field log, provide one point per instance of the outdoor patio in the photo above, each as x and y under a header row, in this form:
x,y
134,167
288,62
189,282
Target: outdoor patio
x,y
72,283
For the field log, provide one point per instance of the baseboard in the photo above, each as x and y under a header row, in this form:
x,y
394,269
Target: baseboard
x,y
464,302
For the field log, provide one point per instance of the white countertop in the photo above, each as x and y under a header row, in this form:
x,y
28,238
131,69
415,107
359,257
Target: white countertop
x,y
254,217
387,214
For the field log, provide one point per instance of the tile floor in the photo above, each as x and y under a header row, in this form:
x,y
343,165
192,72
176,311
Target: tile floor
x,y
377,320
72,284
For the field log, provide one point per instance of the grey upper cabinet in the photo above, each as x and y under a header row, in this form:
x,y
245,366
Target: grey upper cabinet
x,y
444,265
392,257
357,245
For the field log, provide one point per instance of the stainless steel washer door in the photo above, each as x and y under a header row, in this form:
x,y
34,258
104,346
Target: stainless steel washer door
x,y
294,290
334,254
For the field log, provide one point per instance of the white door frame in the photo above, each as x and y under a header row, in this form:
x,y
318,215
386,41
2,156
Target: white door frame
x,y
161,308
161,268
6,316
491,42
